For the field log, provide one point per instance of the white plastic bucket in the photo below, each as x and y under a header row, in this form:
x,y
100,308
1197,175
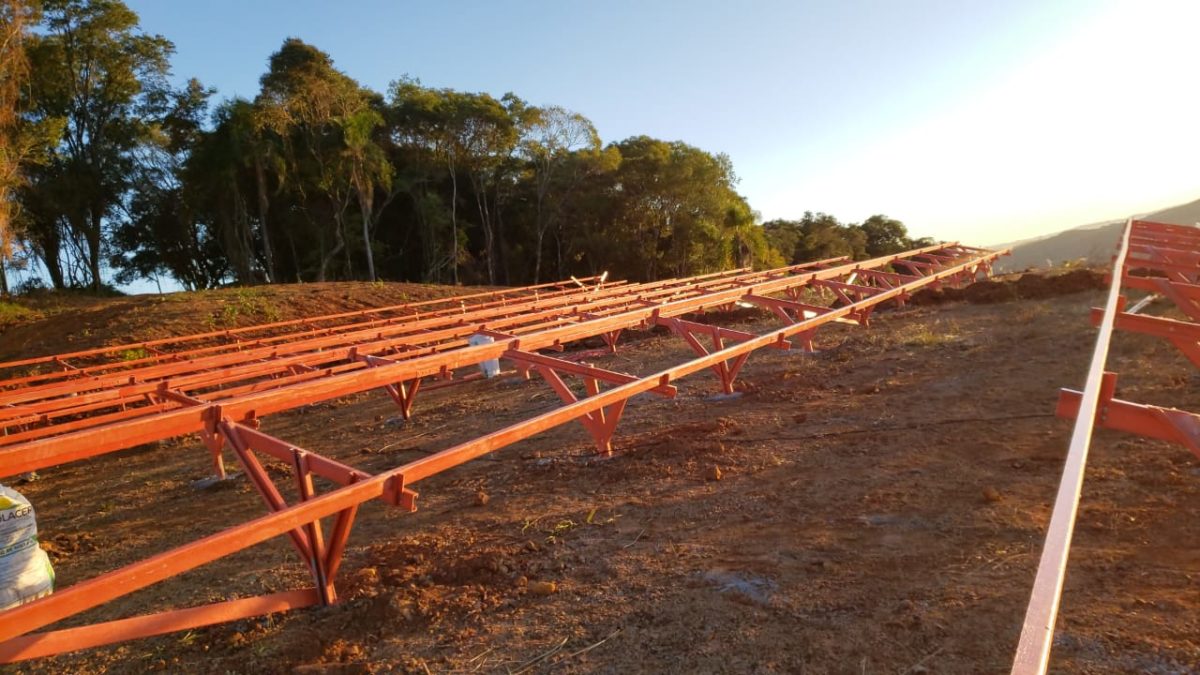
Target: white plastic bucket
x,y
491,367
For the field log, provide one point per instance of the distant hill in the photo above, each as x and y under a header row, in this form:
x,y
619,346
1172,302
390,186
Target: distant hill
x,y
1093,243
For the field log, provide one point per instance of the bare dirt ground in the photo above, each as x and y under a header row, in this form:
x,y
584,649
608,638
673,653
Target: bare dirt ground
x,y
880,508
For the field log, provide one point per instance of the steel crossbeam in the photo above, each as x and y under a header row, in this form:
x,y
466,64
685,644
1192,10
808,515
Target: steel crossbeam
x,y
234,421
1171,254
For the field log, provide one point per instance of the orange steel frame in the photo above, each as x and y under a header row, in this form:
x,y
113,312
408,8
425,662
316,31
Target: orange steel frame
x,y
176,347
221,391
1162,259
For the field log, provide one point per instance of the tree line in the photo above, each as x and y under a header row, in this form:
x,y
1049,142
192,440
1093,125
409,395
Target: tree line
x,y
110,173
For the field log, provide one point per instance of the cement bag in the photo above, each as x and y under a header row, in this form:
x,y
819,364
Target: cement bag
x,y
25,571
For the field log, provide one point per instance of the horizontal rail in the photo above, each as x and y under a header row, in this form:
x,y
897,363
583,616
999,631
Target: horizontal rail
x,y
38,645
407,330
1165,424
73,383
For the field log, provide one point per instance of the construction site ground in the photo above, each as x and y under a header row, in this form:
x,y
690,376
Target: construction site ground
x,y
875,507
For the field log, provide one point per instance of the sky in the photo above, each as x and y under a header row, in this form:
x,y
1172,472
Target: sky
x,y
983,122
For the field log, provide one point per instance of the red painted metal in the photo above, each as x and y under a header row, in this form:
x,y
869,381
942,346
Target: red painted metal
x,y
164,348
1155,257
321,366
99,634
211,377
1165,424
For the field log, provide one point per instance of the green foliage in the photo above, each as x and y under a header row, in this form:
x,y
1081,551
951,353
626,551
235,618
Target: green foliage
x,y
169,230
104,83
884,236
11,313
820,235
244,306
930,335
673,211
318,178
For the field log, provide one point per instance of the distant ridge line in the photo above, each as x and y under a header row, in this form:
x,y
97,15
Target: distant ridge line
x,y
1092,244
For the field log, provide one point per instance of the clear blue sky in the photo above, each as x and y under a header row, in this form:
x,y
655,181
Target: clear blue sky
x,y
981,121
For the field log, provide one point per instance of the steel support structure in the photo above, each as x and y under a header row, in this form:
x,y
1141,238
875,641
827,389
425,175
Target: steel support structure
x,y
100,359
79,401
224,402
1165,260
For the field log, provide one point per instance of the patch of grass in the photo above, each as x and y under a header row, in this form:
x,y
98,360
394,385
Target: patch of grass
x,y
930,335
247,305
134,354
230,314
560,528
11,313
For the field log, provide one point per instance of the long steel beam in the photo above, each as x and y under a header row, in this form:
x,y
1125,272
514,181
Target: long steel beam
x,y
567,299
237,340
182,360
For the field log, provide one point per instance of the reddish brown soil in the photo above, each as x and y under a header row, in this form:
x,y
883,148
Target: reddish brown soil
x,y
880,508
1016,287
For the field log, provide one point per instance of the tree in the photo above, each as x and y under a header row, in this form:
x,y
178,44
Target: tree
x,y
469,134
93,70
671,209
816,236
168,228
369,171
420,135
482,136
258,149
22,144
15,17
885,236
142,176
749,241
561,148
310,104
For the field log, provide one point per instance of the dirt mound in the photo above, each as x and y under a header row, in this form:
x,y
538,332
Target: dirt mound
x,y
1030,286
